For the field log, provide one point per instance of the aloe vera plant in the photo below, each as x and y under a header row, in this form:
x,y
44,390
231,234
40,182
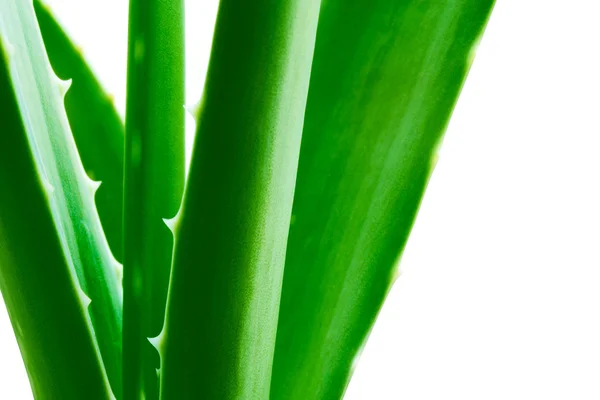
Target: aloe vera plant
x,y
259,274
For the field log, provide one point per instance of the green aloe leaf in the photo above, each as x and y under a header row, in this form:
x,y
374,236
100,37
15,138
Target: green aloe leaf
x,y
95,123
154,180
40,99
47,308
385,78
231,233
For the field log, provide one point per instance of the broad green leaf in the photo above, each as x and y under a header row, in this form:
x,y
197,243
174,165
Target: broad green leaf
x,y
45,303
230,235
154,180
95,123
40,98
385,78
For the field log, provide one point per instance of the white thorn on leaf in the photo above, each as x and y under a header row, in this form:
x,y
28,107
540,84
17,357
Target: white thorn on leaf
x,y
173,223
93,186
85,300
158,341
63,86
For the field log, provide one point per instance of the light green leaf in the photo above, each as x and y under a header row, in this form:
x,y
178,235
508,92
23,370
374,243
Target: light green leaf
x,y
39,95
45,303
385,78
95,123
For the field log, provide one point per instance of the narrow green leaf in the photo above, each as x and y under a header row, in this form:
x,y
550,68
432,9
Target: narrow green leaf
x,y
230,240
44,301
95,123
40,98
154,180
385,78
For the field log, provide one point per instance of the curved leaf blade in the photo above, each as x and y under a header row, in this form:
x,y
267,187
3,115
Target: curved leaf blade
x,y
40,97
96,126
385,78
43,299
230,240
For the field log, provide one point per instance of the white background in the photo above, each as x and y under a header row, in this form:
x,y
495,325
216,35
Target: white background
x,y
499,296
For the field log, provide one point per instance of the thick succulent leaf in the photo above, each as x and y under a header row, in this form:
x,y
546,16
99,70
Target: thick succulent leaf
x,y
231,234
154,180
40,98
45,303
385,78
95,123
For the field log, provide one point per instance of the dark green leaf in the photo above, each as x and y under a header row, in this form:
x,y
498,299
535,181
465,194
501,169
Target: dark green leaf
x,y
230,244
154,180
